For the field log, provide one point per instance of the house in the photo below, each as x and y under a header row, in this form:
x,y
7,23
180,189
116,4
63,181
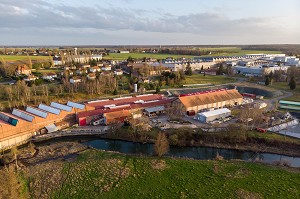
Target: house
x,y
75,80
106,68
106,73
57,61
81,71
49,76
30,78
91,76
85,66
94,69
23,70
118,72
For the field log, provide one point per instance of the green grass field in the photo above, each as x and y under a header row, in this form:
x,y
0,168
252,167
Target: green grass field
x,y
207,79
284,86
99,174
215,52
22,58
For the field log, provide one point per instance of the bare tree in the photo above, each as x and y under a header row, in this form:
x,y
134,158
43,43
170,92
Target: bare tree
x,y
161,145
175,110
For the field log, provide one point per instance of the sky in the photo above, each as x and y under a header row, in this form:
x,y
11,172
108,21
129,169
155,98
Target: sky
x,y
149,22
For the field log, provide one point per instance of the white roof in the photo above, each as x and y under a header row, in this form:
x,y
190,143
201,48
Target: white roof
x,y
61,106
75,105
155,109
51,128
215,112
49,109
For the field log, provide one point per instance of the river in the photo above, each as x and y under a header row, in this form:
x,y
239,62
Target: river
x,y
199,153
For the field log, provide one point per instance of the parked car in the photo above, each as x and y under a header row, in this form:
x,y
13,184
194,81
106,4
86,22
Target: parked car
x,y
261,130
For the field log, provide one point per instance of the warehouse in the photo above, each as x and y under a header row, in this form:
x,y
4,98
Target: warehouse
x,y
220,98
210,116
20,125
116,117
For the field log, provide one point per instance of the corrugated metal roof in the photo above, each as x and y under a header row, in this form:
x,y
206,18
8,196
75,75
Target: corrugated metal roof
x,y
61,106
51,128
132,106
126,100
209,98
75,105
37,112
22,115
49,109
155,109
215,112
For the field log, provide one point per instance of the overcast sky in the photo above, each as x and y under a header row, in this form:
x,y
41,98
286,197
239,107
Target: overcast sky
x,y
122,22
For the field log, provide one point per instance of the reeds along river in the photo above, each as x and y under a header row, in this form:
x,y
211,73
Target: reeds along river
x,y
200,153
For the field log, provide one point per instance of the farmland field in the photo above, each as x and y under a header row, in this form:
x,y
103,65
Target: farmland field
x,y
98,174
9,58
215,52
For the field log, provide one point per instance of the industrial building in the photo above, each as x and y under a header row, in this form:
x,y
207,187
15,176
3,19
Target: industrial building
x,y
210,116
220,98
21,125
130,103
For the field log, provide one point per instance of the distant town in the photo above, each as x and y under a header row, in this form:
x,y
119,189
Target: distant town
x,y
48,91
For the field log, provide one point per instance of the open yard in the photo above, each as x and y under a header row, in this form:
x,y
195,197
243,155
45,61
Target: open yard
x,y
207,79
99,174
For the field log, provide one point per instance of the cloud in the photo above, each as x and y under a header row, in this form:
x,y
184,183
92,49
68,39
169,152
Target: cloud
x,y
65,19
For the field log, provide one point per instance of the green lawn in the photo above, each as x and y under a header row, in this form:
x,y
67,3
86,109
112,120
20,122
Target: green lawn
x,y
207,79
22,57
99,174
284,86
49,70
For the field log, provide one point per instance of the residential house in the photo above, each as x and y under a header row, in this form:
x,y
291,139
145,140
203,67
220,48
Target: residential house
x,y
106,68
57,61
118,72
23,70
49,76
91,76
75,80
94,69
81,71
30,78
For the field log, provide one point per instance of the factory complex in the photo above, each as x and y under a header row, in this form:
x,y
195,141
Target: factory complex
x,y
20,125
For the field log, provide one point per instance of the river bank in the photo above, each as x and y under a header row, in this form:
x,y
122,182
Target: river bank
x,y
93,173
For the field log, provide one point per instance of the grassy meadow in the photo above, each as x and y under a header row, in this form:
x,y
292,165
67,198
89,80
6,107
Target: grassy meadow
x,y
97,174
11,58
284,86
224,51
207,79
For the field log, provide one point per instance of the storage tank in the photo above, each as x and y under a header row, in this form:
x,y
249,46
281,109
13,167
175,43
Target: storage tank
x,y
135,88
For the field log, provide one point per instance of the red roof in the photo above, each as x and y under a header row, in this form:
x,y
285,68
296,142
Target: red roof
x,y
132,106
123,101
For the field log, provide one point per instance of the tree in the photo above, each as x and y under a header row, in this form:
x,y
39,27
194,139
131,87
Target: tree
x,y
188,70
157,89
267,82
29,61
175,110
292,83
161,145
202,68
115,92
